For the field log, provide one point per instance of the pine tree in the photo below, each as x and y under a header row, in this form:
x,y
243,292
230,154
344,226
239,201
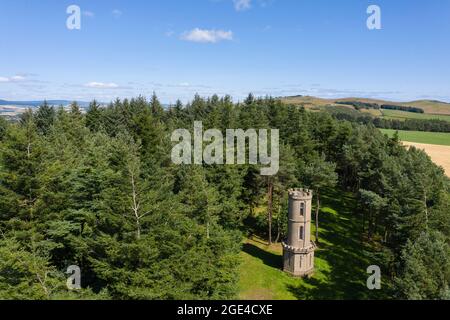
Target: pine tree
x,y
44,118
156,107
426,268
3,127
94,117
318,175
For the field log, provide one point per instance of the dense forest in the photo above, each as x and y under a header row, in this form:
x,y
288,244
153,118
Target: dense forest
x,y
98,190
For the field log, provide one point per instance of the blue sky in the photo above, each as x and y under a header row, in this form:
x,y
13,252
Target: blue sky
x,y
178,48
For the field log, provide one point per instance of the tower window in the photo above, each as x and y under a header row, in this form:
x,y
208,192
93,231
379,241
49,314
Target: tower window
x,y
302,233
302,209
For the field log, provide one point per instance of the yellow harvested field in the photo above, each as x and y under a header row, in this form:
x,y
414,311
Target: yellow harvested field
x,y
439,154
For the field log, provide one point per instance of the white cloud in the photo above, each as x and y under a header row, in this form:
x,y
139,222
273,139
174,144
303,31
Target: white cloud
x,y
101,85
242,5
207,36
16,78
117,13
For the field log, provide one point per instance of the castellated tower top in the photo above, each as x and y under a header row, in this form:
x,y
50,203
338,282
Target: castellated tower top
x,y
300,194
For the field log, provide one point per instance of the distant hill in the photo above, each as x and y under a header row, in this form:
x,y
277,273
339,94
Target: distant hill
x,y
13,109
428,106
37,103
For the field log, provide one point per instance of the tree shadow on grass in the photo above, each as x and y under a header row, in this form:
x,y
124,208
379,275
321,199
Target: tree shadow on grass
x,y
342,249
270,259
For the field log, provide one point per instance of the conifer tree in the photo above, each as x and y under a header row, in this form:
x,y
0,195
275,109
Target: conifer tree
x,y
44,118
318,175
94,117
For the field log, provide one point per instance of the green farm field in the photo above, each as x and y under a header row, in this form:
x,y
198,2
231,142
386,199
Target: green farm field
x,y
439,138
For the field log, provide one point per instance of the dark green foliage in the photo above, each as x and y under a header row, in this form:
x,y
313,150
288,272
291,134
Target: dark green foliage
x,y
100,191
94,117
365,105
426,270
3,126
402,108
360,105
318,175
156,107
44,118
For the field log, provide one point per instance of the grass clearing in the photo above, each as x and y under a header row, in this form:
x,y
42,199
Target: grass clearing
x,y
340,262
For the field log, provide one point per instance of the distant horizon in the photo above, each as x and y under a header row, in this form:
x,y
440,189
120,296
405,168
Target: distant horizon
x,y
233,98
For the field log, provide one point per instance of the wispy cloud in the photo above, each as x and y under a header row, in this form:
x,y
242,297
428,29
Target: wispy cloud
x,y
16,78
242,5
117,13
207,36
185,85
101,85
89,14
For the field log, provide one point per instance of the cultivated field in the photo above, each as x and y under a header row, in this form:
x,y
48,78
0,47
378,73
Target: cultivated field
x,y
439,138
403,115
439,154
435,144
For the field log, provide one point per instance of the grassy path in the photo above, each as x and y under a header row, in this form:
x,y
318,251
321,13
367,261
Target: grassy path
x,y
340,262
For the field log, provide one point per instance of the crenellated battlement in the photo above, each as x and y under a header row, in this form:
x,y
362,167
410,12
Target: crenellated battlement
x,y
300,194
312,246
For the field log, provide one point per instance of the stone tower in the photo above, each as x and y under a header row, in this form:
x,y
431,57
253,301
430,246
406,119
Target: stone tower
x,y
298,250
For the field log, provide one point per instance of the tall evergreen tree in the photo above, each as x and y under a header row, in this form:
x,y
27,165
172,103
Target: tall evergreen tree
x,y
94,117
318,175
44,118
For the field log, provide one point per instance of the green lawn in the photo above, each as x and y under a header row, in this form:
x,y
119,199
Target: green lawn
x,y
440,138
340,262
402,115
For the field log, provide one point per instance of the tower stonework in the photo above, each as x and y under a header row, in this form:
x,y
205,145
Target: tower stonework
x,y
298,249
